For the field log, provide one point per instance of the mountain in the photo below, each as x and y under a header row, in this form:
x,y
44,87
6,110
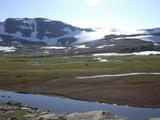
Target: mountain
x,y
121,42
44,36
39,31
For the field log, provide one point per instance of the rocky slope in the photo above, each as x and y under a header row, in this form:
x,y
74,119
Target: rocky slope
x,y
40,36
39,30
17,111
141,40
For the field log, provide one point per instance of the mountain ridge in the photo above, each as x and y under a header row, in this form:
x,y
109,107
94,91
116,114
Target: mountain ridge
x,y
41,30
42,35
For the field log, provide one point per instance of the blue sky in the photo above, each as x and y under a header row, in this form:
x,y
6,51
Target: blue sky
x,y
126,14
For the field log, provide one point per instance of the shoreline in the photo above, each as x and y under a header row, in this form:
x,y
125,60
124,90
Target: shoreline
x,y
60,105
137,91
72,98
17,111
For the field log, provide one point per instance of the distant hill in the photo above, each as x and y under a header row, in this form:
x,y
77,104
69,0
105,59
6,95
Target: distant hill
x,y
44,36
39,30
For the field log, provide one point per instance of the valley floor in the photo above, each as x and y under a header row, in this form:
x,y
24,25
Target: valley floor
x,y
57,75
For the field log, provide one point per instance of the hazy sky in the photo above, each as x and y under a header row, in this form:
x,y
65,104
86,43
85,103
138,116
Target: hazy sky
x,y
126,14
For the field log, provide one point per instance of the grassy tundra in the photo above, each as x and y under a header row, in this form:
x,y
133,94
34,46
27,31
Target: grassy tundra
x,y
57,75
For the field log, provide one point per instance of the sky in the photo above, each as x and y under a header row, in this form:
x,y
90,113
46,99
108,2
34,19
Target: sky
x,y
125,14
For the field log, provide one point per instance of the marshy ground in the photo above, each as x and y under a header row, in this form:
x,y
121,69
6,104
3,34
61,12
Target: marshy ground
x,y
57,75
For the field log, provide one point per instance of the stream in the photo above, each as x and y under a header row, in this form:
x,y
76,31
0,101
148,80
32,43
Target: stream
x,y
65,105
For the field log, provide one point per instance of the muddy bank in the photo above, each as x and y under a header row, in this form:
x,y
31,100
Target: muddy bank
x,y
141,91
18,111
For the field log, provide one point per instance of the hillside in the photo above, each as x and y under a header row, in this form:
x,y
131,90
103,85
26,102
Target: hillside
x,y
39,30
41,36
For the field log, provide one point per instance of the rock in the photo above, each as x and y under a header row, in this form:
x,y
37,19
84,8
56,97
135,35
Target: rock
x,y
36,114
25,108
12,103
13,118
43,113
46,117
154,119
95,115
8,96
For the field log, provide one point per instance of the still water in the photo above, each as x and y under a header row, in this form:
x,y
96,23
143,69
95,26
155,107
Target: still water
x,y
66,105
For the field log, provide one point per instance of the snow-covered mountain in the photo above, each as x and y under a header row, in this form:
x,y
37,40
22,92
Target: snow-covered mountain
x,y
46,36
126,42
40,30
151,35
45,31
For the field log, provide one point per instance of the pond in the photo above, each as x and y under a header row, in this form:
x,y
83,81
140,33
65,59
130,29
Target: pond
x,y
66,105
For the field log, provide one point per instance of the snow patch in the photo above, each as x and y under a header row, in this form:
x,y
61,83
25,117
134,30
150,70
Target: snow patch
x,y
144,53
34,33
46,20
30,22
103,46
1,40
100,59
156,44
116,75
54,47
89,36
7,49
18,18
2,29
103,60
148,38
99,33
111,54
26,27
46,52
18,34
81,46
67,30
147,53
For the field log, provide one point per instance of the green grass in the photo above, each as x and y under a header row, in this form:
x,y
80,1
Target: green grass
x,y
18,114
56,75
50,68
